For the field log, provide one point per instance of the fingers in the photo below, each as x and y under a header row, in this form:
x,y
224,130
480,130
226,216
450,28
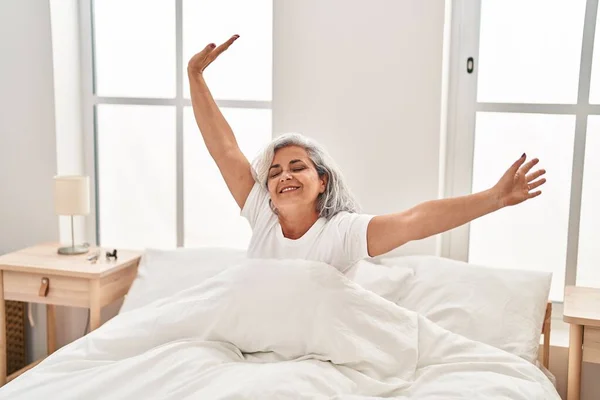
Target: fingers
x,y
532,178
226,45
537,183
527,167
517,164
202,54
207,55
212,56
535,175
206,50
198,62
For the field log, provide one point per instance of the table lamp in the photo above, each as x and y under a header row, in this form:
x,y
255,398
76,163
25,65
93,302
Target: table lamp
x,y
72,197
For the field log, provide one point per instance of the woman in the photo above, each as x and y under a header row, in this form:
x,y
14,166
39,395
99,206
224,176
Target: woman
x,y
297,203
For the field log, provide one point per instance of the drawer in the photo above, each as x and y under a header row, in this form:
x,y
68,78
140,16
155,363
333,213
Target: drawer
x,y
62,290
591,344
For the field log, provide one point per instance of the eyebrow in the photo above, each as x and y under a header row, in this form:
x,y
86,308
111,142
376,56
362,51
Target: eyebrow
x,y
279,166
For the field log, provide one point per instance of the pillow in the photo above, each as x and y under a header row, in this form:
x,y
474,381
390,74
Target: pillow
x,y
501,307
163,273
386,281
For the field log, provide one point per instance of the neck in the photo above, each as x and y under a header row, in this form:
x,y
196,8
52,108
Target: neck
x,y
296,223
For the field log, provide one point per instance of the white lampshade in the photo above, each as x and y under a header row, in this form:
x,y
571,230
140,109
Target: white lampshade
x,y
72,195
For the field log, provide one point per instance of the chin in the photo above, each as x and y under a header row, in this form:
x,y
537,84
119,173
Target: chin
x,y
292,202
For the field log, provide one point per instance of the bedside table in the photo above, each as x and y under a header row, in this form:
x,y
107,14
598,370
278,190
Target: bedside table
x,y
39,275
582,311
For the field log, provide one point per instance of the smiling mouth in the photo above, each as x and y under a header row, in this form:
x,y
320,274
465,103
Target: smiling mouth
x,y
289,189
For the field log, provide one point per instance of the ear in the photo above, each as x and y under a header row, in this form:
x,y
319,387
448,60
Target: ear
x,y
324,179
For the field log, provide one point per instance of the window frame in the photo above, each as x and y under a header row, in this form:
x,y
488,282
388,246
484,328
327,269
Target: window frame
x,y
90,101
462,109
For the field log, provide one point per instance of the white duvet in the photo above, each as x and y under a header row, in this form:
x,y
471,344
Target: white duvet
x,y
278,330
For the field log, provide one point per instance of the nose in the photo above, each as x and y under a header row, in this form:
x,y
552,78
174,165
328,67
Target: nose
x,y
285,176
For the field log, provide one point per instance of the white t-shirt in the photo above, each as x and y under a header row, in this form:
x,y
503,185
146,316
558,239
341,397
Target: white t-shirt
x,y
340,242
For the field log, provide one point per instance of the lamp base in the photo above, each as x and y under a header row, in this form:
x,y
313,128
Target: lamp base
x,y
73,250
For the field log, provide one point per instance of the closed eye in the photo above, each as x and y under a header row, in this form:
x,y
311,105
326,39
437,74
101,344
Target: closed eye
x,y
297,169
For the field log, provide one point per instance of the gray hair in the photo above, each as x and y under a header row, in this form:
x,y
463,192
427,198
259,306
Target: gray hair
x,y
336,198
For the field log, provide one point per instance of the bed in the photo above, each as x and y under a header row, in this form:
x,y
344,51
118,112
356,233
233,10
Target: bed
x,y
211,324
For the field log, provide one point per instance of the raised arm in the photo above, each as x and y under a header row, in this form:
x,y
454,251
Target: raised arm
x,y
216,132
387,232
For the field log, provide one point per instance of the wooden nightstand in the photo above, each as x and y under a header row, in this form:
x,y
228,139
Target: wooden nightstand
x,y
39,275
582,311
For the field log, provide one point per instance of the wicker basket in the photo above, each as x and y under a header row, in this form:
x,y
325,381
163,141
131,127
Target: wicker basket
x,y
15,336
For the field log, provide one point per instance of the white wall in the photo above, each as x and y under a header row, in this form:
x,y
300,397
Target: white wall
x,y
365,79
27,135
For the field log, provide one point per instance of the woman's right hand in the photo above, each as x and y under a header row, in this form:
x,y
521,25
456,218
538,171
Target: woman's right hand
x,y
201,60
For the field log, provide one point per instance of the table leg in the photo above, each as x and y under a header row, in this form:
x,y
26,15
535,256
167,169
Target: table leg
x,y
2,333
50,328
94,318
575,355
95,308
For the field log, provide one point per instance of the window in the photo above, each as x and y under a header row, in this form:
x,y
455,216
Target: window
x,y
588,272
156,185
535,89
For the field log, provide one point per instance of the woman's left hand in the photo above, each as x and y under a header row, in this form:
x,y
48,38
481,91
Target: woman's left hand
x,y
517,184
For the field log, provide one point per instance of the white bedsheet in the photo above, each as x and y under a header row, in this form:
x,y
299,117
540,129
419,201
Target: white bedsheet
x,y
277,330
